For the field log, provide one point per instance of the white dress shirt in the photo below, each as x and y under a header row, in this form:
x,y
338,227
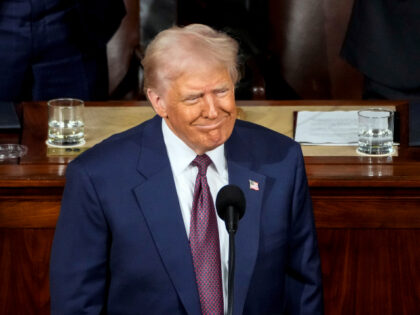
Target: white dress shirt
x,y
180,158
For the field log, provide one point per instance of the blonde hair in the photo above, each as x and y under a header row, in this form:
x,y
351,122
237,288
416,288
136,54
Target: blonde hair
x,y
167,56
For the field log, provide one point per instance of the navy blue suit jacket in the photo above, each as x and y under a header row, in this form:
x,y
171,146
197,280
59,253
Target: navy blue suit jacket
x,y
121,247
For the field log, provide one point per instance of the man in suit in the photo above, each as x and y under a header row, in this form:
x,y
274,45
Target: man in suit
x,y
383,42
127,237
56,48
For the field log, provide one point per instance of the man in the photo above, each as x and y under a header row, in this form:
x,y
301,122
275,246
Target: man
x,y
56,48
129,238
383,42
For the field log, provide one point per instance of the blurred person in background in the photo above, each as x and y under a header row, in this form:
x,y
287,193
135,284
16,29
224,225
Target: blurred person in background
x,y
56,48
383,42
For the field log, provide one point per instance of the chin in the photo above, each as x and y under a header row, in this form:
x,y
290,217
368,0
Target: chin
x,y
214,144
211,142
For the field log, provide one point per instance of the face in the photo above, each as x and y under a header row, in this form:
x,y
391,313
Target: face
x,y
199,106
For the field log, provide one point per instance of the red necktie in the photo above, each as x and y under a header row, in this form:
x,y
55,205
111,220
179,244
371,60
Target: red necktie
x,y
204,243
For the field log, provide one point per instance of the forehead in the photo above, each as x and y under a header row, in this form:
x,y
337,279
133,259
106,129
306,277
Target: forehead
x,y
196,73
203,77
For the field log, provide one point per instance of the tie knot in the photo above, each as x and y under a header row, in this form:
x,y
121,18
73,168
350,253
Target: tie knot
x,y
202,162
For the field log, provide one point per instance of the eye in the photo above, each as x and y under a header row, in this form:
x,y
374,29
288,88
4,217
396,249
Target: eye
x,y
192,99
222,92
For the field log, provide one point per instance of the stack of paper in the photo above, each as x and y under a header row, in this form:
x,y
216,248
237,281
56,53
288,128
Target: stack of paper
x,y
327,128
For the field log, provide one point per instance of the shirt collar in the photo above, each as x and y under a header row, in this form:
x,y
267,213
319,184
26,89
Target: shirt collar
x,y
181,155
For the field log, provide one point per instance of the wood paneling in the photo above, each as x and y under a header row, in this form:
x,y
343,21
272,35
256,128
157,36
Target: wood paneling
x,y
32,212
24,259
370,271
386,212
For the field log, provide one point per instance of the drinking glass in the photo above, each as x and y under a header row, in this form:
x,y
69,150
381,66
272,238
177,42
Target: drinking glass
x,y
65,122
376,129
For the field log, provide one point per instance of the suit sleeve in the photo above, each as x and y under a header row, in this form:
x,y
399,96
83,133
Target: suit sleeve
x,y
78,266
303,276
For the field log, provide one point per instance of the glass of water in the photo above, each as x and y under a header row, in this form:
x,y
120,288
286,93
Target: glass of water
x,y
65,122
376,131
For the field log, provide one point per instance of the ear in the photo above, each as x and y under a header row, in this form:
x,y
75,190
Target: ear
x,y
157,102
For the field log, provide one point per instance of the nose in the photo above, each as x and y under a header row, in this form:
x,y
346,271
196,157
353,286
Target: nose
x,y
210,110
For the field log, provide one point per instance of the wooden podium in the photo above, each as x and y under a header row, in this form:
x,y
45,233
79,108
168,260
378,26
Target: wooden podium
x,y
367,212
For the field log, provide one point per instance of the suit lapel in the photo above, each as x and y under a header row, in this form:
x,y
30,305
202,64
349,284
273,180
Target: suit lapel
x,y
159,204
247,237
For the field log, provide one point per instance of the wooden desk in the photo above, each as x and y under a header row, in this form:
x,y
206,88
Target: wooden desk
x,y
367,213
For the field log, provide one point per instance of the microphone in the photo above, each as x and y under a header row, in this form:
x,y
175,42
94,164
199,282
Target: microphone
x,y
230,204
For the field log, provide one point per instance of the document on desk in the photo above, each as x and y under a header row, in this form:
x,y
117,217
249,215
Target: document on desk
x,y
327,128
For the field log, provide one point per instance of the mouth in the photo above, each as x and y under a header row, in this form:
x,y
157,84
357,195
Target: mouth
x,y
210,125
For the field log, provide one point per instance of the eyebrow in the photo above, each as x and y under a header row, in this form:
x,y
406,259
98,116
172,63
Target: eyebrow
x,y
221,89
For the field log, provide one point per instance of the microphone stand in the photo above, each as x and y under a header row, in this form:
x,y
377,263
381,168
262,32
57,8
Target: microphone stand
x,y
232,227
230,204
231,271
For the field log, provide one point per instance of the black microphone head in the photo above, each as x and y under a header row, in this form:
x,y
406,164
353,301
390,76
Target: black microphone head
x,y
230,195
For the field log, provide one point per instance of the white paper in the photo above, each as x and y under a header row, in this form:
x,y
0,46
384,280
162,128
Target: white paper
x,y
327,128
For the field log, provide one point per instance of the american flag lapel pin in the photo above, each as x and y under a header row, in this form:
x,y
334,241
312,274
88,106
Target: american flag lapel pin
x,y
253,185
